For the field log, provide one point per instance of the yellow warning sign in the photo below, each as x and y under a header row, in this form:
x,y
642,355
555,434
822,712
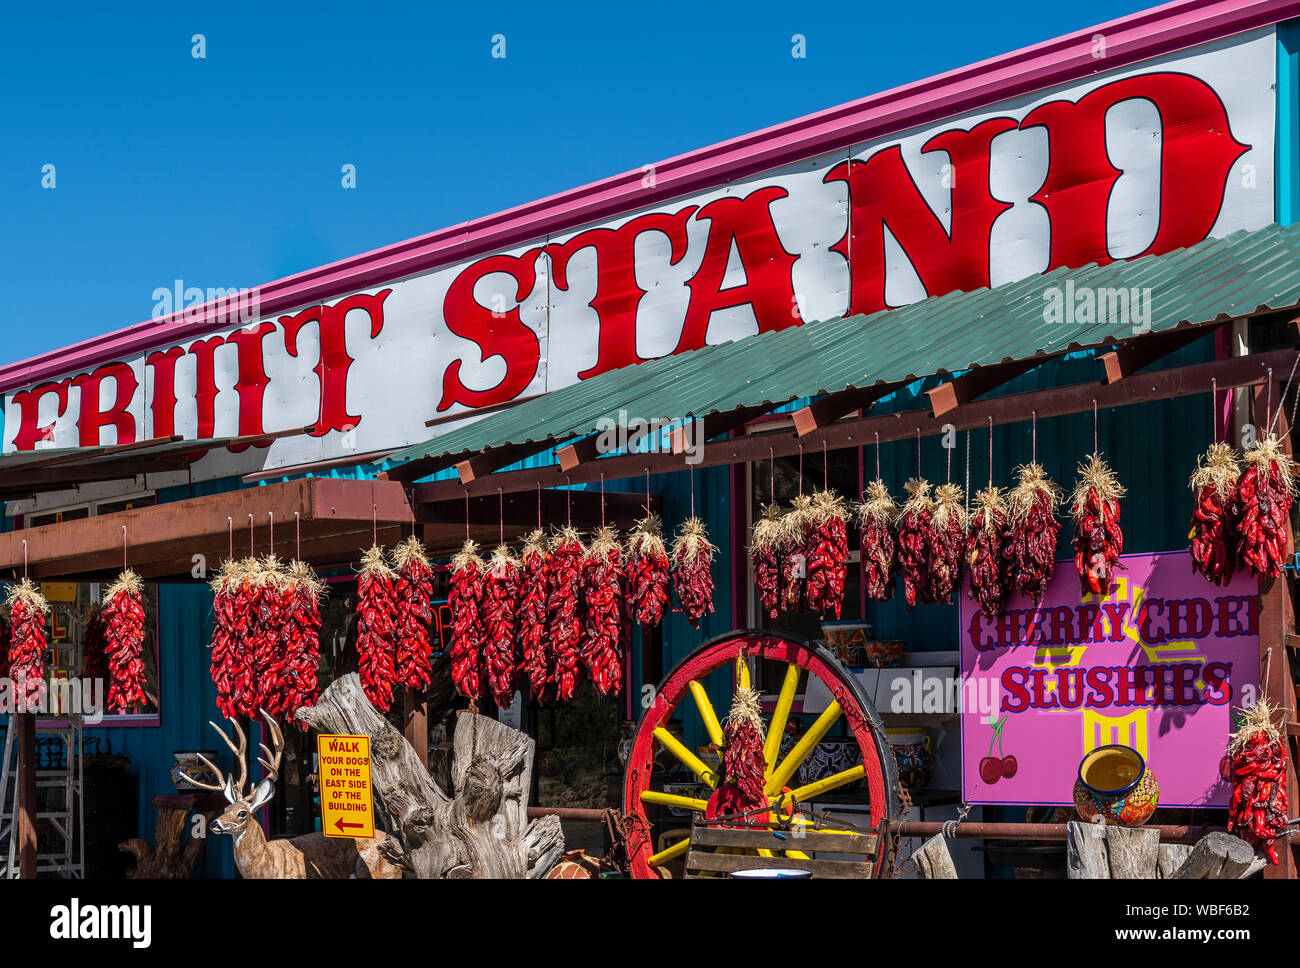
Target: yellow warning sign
x,y
347,805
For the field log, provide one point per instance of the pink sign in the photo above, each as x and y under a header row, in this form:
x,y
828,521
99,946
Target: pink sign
x,y
1159,665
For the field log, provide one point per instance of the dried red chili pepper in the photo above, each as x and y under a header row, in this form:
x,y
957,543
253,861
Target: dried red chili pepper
x,y
916,542
376,629
605,612
1258,805
1032,529
247,688
765,558
1214,518
1098,540
564,613
231,670
877,519
827,553
647,569
465,599
793,549
500,608
302,640
948,532
123,616
413,660
532,615
985,554
742,756
692,574
1264,496
272,604
28,641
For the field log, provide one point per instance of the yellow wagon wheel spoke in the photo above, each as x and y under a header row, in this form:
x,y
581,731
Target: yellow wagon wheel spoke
x,y
674,800
780,715
670,853
687,758
806,744
711,724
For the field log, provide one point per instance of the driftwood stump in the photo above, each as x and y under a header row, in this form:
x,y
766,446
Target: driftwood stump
x,y
933,861
1219,856
172,857
478,830
1101,852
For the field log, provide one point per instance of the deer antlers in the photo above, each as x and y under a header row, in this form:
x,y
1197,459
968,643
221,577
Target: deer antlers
x,y
270,760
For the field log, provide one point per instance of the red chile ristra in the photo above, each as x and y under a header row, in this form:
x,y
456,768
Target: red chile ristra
x,y
532,615
465,599
948,532
231,673
916,541
500,603
984,552
272,605
413,660
692,559
647,569
792,545
376,608
1098,540
123,617
302,640
604,601
742,757
1257,760
1214,519
765,556
877,519
27,640
1264,496
564,613
94,652
1031,533
827,553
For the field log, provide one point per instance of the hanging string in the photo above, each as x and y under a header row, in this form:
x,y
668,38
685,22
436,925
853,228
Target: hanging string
x,y
1214,408
1033,415
877,453
647,491
693,488
374,524
602,500
568,491
826,469
270,532
771,474
801,468
539,505
501,516
466,515
24,557
1268,406
948,473
230,533
968,433
297,535
1095,448
918,453
990,451
1281,403
251,546
124,547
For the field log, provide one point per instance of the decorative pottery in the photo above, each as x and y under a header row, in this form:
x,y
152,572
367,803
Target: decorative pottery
x,y
829,757
188,767
914,754
884,654
847,639
1115,786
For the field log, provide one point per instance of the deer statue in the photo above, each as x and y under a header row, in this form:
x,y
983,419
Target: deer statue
x,y
309,856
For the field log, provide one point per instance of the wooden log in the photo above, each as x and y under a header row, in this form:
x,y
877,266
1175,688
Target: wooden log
x,y
481,829
1171,858
933,860
1217,856
1133,852
1086,857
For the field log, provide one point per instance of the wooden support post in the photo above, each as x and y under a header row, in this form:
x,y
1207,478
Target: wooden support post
x,y
26,828
947,397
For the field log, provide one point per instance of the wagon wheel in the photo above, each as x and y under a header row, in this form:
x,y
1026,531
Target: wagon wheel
x,y
801,656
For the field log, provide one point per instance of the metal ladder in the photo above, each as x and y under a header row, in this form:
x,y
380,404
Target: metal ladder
x,y
67,823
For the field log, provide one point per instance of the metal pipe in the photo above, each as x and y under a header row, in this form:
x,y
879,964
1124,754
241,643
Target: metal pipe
x,y
1169,834
567,813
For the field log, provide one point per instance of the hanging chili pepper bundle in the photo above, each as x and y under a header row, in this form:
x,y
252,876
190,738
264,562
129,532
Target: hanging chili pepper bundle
x,y
302,640
233,670
4,644
793,550
500,606
827,553
604,596
94,653
1258,806
647,570
465,599
28,641
877,519
413,659
272,604
948,529
692,560
765,557
1264,496
984,552
1098,540
376,631
123,616
916,541
532,615
1214,519
742,756
564,613
1032,529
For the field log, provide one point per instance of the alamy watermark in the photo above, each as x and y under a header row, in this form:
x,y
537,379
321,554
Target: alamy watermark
x,y
655,435
226,306
1072,305
55,697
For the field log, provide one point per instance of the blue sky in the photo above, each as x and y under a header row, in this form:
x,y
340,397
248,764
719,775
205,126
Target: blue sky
x,y
225,171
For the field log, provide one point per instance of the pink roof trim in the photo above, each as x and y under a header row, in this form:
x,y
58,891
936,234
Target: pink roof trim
x,y
1149,33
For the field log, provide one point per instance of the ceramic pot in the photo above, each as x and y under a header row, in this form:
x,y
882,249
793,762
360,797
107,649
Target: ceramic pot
x,y
884,653
914,754
846,638
829,757
1115,786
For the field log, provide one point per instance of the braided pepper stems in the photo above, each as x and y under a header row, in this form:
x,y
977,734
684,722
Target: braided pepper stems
x,y
827,553
916,542
985,562
1098,540
500,602
465,599
1032,529
28,611
1257,760
564,613
692,561
647,569
413,659
877,519
765,558
376,630
532,615
604,601
1214,518
1264,495
948,534
122,613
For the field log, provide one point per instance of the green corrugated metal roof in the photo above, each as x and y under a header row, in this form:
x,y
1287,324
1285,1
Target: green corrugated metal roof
x,y
1213,280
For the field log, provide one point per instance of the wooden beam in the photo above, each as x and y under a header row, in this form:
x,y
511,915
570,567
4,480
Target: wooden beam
x,y
1129,357
582,451
958,392
25,826
490,461
1014,408
715,425
830,408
